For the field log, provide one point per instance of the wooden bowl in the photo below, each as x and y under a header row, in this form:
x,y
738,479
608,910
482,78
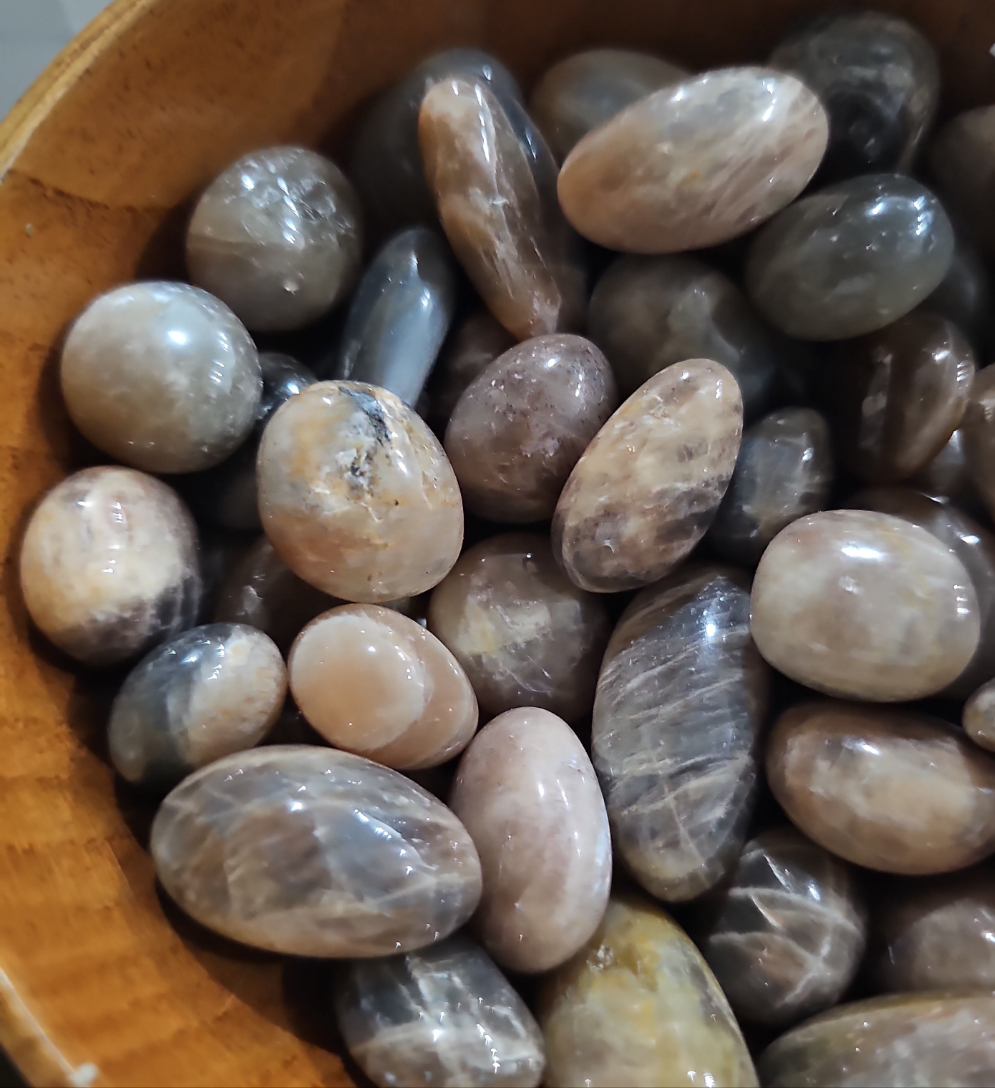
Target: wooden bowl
x,y
100,981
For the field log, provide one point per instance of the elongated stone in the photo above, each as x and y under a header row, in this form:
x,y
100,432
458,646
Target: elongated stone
x,y
639,1005
978,717
470,349
647,487
315,852
786,936
979,436
527,793
524,633
962,164
850,258
893,790
211,691
891,1042
947,476
696,163
521,425
966,297
681,701
109,565
441,1017
865,606
587,89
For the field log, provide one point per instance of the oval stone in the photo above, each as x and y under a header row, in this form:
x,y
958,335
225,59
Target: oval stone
x,y
893,790
962,163
527,793
696,163
648,485
314,852
865,606
786,935
441,1017
639,1005
979,436
681,701
470,349
850,258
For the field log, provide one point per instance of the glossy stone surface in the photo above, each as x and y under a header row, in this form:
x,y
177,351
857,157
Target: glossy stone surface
x,y
277,236
681,701
314,852
947,476
979,436
784,470
523,632
864,605
888,789
898,394
494,184
527,793
471,347
966,297
978,716
109,566
891,1042
356,494
211,691
639,1005
962,165
376,683
585,90
696,163
850,258
162,377
521,425
786,936
400,315
879,80
442,1017
647,487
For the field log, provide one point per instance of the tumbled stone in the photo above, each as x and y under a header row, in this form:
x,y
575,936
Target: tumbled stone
x,y
494,184
786,935
639,1005
966,297
315,852
696,163
376,683
877,77
211,691
962,164
278,237
471,348
647,487
978,716
889,1042
524,633
888,789
442,1017
109,565
356,494
527,793
162,377
680,703
865,606
979,436
947,476
400,315
784,471
521,425
585,90
850,258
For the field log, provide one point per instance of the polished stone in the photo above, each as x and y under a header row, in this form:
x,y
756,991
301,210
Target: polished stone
x,y
864,605
962,165
646,489
109,565
888,789
441,1017
696,163
521,425
471,347
966,296
978,716
314,852
979,436
523,632
681,701
850,258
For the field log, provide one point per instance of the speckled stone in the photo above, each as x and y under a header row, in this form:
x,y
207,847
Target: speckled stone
x,y
314,852
206,693
979,436
681,701
109,565
850,258
888,789
442,1017
962,165
639,1005
786,936
978,717
471,347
